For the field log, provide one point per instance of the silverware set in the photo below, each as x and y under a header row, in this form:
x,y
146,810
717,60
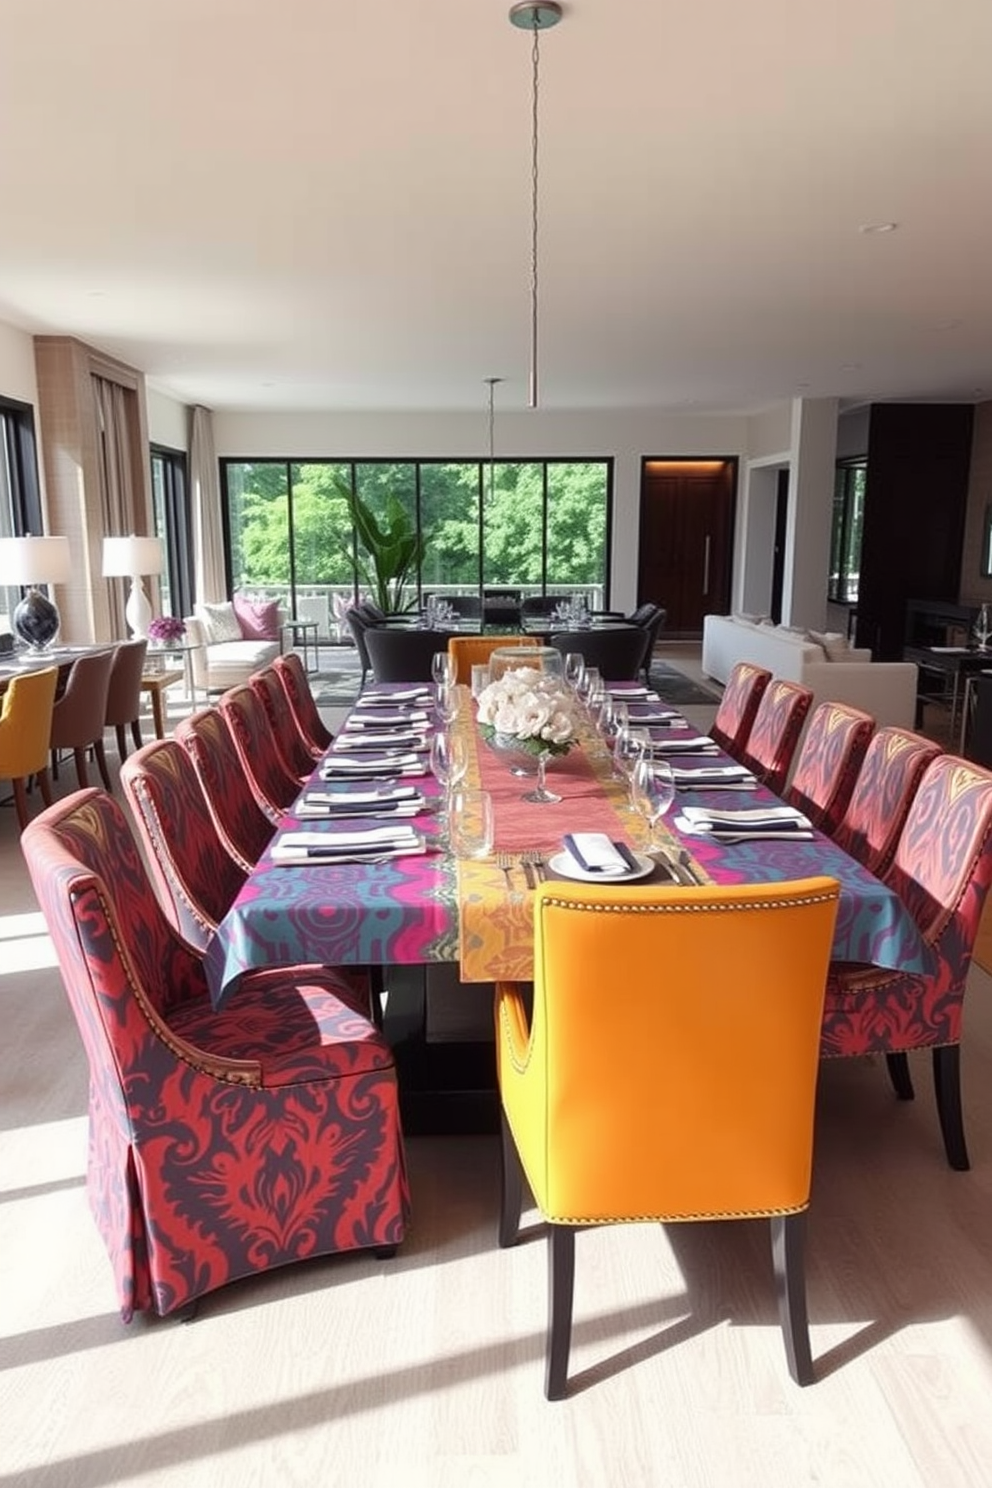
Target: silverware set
x,y
531,862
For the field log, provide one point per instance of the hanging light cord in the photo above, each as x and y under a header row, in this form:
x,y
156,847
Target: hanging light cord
x,y
536,65
492,381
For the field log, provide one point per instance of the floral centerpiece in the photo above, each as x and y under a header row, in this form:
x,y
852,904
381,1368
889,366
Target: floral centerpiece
x,y
166,629
528,710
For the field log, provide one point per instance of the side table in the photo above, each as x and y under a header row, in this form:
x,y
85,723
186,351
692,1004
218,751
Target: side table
x,y
299,635
155,684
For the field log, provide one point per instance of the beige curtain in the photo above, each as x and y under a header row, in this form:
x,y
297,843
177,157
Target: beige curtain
x,y
209,581
117,496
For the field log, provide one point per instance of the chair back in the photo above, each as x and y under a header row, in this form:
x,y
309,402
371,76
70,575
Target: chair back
x,y
942,865
124,687
358,623
289,670
78,716
540,606
26,723
195,876
775,732
828,762
244,828
738,706
294,753
469,651
652,626
399,655
887,782
618,651
273,787
706,1108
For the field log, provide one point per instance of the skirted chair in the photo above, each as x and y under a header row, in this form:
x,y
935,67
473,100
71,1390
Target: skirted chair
x,y
124,692
79,717
221,1143
827,764
469,651
708,1113
941,870
618,651
738,706
403,654
883,792
274,788
294,752
774,736
243,827
25,732
289,670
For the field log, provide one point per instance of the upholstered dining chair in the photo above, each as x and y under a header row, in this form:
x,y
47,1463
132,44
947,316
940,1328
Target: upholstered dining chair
x,y
704,1109
618,651
294,752
774,736
941,869
828,761
738,705
124,692
25,732
79,715
274,788
469,651
651,618
883,792
403,654
289,670
222,1143
243,827
358,623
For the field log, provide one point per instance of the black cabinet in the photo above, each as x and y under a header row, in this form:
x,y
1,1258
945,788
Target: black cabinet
x,y
980,736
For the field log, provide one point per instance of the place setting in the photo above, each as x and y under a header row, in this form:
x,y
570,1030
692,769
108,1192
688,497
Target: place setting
x,y
366,845
762,823
342,804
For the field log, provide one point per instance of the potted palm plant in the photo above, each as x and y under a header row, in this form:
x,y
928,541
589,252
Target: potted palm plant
x,y
390,550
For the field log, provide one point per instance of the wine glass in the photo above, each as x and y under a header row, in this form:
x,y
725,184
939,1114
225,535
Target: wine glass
x,y
446,702
982,628
654,792
631,744
590,684
442,669
574,668
448,762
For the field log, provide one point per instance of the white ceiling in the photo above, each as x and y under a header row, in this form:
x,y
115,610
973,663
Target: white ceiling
x,y
325,204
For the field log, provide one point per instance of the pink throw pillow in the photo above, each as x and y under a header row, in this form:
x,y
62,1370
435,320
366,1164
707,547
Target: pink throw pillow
x,y
259,619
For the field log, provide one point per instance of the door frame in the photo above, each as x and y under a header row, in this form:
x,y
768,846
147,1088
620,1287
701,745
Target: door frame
x,y
733,462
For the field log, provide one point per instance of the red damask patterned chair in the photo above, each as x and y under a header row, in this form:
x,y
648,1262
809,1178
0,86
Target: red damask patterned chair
x,y
273,786
828,763
289,670
739,704
294,752
942,869
243,827
775,732
220,1143
887,782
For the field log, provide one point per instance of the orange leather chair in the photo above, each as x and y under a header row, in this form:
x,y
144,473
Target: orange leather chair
x,y
469,651
25,731
701,1107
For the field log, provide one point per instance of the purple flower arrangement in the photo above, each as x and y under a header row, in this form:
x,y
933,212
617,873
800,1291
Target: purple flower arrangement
x,y
166,628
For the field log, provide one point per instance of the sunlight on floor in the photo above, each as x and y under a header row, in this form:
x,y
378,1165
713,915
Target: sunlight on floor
x,y
26,944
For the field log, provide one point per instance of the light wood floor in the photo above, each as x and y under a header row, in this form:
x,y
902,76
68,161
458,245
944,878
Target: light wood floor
x,y
427,1370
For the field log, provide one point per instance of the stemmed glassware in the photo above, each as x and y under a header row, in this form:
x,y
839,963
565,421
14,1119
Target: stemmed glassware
x,y
442,669
590,685
631,744
446,702
653,792
449,763
575,666
982,628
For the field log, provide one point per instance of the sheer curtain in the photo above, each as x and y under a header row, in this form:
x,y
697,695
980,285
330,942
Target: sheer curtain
x,y
209,579
117,495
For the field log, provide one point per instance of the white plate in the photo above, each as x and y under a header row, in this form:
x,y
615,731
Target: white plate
x,y
565,864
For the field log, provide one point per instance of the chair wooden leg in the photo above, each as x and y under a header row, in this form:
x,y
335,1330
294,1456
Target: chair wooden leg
x,y
45,785
902,1080
82,773
121,741
788,1246
511,1186
561,1286
947,1088
20,802
101,763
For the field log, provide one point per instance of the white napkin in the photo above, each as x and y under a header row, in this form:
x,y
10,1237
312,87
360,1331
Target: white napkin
x,y
595,853
711,773
402,695
385,720
309,808
698,744
379,764
631,693
365,797
781,823
409,738
315,847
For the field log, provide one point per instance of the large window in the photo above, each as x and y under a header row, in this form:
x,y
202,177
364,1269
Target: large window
x,y
536,525
20,498
845,536
172,525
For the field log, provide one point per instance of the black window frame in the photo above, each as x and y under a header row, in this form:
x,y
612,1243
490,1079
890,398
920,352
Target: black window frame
x,y
178,534
843,515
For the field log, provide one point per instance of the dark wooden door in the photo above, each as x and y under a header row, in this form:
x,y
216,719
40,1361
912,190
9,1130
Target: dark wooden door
x,y
686,539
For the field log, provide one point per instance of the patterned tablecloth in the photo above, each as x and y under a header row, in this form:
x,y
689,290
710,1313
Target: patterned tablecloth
x,y
431,908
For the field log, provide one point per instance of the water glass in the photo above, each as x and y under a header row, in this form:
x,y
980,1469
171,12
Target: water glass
x,y
442,669
575,666
654,792
470,824
480,678
591,684
631,744
446,703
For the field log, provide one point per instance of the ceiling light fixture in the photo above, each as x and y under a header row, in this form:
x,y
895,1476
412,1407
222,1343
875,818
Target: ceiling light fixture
x,y
492,384
878,227
534,18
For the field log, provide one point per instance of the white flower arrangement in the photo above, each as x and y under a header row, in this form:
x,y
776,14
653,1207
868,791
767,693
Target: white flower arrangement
x,y
532,709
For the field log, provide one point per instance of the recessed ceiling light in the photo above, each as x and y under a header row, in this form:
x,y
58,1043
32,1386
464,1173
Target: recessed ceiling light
x,y
850,367
878,227
945,325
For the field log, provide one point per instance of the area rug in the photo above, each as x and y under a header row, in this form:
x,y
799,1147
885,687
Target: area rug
x,y
678,689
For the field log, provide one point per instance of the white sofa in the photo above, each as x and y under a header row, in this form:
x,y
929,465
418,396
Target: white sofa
x,y
218,665
885,689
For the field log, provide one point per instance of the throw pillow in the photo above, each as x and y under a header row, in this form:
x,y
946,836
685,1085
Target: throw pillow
x,y
835,645
220,622
258,618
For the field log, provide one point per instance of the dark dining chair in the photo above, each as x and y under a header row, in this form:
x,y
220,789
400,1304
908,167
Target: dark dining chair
x,y
244,828
618,651
651,619
79,715
124,692
827,763
404,655
883,793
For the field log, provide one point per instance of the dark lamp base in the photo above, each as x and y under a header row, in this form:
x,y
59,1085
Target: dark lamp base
x,y
36,620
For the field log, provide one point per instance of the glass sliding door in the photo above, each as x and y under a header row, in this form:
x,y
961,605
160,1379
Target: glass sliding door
x,y
322,542
449,520
259,527
577,531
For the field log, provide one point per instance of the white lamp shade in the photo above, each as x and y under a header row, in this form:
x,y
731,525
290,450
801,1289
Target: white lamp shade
x,y
125,557
34,560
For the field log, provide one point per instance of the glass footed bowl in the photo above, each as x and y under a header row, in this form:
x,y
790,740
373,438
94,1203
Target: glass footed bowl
x,y
511,658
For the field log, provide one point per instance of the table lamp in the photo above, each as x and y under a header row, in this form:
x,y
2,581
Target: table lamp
x,y
27,562
130,558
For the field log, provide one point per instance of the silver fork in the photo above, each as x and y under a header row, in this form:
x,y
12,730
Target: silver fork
x,y
505,862
536,861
